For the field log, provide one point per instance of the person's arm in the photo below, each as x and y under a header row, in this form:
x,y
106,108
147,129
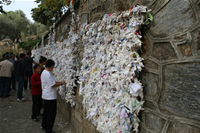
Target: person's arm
x,y
34,82
36,63
57,84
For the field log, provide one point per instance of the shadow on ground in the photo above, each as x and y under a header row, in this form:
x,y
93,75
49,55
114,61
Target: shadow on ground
x,y
15,117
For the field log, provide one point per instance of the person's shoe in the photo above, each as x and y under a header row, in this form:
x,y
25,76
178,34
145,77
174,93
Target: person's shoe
x,y
1,96
8,95
36,120
42,128
40,114
23,99
18,99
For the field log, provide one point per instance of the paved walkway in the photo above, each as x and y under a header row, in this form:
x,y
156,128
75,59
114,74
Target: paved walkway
x,y
15,117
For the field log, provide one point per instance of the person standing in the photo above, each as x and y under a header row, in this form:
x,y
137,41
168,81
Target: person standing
x,y
28,69
49,94
36,93
13,82
42,61
6,68
21,76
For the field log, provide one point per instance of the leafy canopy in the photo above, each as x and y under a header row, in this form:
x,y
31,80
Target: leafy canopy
x,y
28,44
49,11
15,26
12,24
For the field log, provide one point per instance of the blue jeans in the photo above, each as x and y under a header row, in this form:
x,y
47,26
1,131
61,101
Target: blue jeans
x,y
5,86
20,87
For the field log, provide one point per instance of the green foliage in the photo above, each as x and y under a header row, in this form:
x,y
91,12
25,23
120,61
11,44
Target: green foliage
x,y
36,29
48,11
5,26
29,44
40,15
15,26
12,24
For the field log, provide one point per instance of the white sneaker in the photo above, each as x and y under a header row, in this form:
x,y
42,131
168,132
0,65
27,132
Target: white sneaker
x,y
18,99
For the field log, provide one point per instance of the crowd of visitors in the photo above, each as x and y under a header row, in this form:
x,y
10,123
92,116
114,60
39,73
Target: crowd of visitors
x,y
41,83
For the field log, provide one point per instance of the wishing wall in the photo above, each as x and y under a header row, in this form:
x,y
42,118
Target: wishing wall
x,y
169,78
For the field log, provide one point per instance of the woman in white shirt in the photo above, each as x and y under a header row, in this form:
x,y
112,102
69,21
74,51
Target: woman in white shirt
x,y
49,94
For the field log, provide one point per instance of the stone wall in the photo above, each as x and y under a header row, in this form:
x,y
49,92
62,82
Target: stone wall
x,y
171,78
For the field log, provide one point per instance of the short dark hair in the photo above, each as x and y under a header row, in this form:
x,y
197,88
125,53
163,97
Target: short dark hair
x,y
17,56
36,66
12,55
29,53
22,55
50,63
4,55
42,59
7,56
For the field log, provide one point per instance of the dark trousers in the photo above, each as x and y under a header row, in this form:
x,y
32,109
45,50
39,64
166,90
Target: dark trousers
x,y
28,75
49,115
36,106
13,82
20,87
5,86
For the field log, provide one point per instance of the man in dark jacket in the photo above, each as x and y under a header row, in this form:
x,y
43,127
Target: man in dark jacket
x,y
21,76
28,69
